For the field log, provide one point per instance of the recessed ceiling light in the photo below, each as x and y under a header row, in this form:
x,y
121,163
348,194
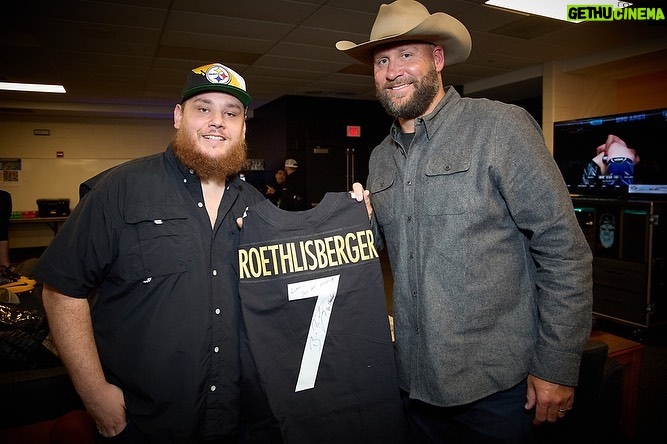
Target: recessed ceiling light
x,y
556,9
32,87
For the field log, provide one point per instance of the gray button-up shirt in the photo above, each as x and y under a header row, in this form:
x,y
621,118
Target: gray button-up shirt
x,y
492,274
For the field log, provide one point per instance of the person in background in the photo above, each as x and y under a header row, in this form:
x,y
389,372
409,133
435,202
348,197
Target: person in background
x,y
613,159
5,216
273,189
294,196
492,274
156,354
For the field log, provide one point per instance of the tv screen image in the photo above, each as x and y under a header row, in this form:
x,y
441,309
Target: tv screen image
x,y
645,132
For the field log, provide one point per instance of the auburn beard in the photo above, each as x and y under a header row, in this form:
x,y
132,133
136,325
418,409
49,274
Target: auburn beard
x,y
209,168
426,89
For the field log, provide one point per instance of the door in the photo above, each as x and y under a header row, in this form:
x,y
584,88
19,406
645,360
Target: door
x,y
332,169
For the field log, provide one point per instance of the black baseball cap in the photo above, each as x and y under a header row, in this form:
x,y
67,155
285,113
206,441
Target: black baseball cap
x,y
215,77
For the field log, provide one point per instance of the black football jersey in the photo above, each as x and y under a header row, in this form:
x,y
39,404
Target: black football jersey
x,y
313,303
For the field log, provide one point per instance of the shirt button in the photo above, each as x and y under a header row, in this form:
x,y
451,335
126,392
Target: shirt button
x,y
213,388
216,349
215,272
217,311
191,171
200,204
409,182
185,180
409,218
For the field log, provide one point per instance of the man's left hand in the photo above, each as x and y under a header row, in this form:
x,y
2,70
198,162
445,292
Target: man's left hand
x,y
551,401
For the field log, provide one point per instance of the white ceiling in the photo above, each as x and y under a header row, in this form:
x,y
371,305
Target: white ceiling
x,y
131,56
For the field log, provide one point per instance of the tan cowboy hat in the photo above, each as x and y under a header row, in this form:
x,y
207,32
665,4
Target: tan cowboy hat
x,y
410,20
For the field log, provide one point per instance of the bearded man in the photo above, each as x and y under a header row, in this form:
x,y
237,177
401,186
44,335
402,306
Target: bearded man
x,y
492,274
155,353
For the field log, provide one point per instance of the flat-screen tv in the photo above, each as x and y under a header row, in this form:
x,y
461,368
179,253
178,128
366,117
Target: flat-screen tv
x,y
576,143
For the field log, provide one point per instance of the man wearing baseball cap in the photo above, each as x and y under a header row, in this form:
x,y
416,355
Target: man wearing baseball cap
x,y
139,284
294,196
492,274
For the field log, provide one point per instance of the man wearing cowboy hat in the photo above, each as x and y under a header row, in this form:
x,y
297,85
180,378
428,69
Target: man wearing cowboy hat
x,y
492,274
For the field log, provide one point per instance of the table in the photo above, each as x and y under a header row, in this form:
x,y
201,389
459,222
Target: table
x,y
52,222
629,354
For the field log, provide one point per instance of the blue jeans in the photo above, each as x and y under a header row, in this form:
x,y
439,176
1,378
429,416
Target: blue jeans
x,y
498,418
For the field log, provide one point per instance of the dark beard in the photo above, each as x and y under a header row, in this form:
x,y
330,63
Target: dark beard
x,y
205,167
425,91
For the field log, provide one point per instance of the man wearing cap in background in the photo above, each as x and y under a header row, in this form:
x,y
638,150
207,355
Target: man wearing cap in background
x,y
492,274
294,196
152,246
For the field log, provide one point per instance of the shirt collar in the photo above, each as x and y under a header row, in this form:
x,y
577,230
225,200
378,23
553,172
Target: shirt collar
x,y
432,120
185,172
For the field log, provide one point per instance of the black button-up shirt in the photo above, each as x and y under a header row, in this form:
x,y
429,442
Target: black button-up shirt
x,y
166,313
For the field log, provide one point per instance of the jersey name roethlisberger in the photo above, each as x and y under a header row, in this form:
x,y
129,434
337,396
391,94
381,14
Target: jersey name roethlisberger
x,y
306,255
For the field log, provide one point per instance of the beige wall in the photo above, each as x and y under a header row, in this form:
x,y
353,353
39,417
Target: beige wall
x,y
631,84
90,145
646,91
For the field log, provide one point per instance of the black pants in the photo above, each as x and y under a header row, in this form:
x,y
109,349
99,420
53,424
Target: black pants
x,y
132,435
498,418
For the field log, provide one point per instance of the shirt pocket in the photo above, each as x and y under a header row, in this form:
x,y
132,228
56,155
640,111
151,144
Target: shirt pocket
x,y
447,188
165,248
383,192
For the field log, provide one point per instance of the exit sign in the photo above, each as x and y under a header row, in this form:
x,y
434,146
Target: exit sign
x,y
353,131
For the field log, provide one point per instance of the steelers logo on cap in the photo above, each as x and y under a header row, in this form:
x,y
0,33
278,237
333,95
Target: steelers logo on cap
x,y
215,77
218,74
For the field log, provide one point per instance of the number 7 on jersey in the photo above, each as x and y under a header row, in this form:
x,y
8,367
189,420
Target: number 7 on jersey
x,y
325,289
